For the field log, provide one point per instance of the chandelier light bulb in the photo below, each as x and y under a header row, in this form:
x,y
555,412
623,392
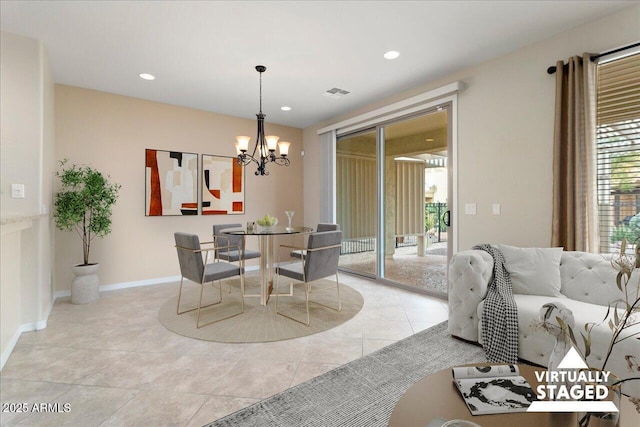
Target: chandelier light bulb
x,y
284,148
272,142
243,143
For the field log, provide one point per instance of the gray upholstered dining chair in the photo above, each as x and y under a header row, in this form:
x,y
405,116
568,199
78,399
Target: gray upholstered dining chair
x,y
197,269
320,260
323,226
238,252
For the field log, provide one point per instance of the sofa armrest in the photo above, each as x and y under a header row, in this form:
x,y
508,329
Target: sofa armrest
x,y
470,273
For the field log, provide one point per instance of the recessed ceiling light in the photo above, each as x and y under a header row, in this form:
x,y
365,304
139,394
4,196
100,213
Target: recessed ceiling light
x,y
392,54
429,139
147,76
285,108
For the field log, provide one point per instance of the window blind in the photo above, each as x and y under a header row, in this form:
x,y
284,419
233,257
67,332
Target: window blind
x,y
618,151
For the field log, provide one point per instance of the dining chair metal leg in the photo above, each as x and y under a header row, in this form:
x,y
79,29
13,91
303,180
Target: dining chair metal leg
x,y
338,287
339,300
195,308
179,295
278,297
242,289
198,325
308,291
277,292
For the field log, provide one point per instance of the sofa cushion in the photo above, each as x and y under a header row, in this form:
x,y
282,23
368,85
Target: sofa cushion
x,y
591,278
534,271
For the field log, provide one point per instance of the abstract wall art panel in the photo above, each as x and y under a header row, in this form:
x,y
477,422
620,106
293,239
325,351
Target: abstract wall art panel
x,y
171,183
222,186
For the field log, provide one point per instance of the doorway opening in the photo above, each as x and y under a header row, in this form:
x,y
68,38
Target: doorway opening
x,y
392,193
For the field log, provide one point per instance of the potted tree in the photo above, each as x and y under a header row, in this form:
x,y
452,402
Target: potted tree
x,y
84,205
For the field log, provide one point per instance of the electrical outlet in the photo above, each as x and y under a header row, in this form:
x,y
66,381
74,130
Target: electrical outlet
x,y
496,209
469,208
17,191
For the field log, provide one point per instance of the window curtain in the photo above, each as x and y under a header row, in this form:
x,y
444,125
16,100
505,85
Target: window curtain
x,y
575,211
328,177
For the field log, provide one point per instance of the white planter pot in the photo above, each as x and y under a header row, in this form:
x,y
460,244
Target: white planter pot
x,y
84,288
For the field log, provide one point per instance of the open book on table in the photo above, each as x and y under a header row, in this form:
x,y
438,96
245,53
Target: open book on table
x,y
493,389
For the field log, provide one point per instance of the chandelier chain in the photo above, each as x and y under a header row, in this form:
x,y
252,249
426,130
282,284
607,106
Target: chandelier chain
x,y
260,92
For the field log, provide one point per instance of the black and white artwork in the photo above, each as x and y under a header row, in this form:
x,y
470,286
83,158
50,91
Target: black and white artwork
x,y
496,395
493,389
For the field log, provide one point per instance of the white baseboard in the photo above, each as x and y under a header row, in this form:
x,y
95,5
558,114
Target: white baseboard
x,y
136,283
33,326
61,294
25,327
148,282
12,344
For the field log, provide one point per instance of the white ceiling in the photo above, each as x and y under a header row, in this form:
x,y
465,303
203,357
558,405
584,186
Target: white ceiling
x,y
203,53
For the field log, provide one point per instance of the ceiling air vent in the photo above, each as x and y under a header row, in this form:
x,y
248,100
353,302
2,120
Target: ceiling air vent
x,y
336,92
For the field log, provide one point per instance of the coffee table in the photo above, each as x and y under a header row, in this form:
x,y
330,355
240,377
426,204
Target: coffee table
x,y
436,396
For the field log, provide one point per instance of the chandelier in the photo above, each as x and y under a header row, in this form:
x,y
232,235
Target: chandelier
x,y
265,149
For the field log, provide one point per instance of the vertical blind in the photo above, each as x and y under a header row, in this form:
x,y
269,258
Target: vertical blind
x,y
356,196
409,194
618,151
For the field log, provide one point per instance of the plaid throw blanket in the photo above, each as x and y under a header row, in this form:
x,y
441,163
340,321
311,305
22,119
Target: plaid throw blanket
x,y
500,313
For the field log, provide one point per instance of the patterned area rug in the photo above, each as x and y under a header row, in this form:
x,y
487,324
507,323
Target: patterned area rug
x,y
260,323
361,393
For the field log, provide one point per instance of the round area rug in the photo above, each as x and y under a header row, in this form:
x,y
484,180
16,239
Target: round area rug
x,y
259,323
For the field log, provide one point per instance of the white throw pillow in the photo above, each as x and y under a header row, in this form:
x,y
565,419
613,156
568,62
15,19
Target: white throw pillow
x,y
534,271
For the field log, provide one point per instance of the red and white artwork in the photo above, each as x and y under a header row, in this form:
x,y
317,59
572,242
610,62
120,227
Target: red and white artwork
x,y
222,186
171,183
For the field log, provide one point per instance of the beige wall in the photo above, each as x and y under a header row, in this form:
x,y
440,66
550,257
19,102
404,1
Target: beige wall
x,y
21,109
27,146
111,132
505,134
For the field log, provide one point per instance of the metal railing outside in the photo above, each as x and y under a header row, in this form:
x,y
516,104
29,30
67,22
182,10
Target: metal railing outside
x,y
434,223
359,245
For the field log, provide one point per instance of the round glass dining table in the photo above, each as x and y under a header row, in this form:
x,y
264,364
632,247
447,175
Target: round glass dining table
x,y
267,249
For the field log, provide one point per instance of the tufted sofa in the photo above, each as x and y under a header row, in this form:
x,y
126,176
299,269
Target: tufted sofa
x,y
588,286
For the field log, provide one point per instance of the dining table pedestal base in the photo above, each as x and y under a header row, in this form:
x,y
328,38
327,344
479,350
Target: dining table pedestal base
x,y
267,250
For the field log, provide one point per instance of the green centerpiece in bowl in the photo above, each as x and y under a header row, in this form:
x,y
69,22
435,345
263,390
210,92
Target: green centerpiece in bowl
x,y
267,222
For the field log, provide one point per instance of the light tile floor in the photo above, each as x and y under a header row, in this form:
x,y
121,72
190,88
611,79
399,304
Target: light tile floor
x,y
115,365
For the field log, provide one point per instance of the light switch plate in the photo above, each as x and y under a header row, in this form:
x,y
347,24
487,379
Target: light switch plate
x,y
469,208
17,191
496,209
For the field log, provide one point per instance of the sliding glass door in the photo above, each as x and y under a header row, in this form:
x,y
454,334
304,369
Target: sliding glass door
x,y
356,201
392,189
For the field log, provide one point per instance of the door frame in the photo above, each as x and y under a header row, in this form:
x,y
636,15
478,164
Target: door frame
x,y
392,113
